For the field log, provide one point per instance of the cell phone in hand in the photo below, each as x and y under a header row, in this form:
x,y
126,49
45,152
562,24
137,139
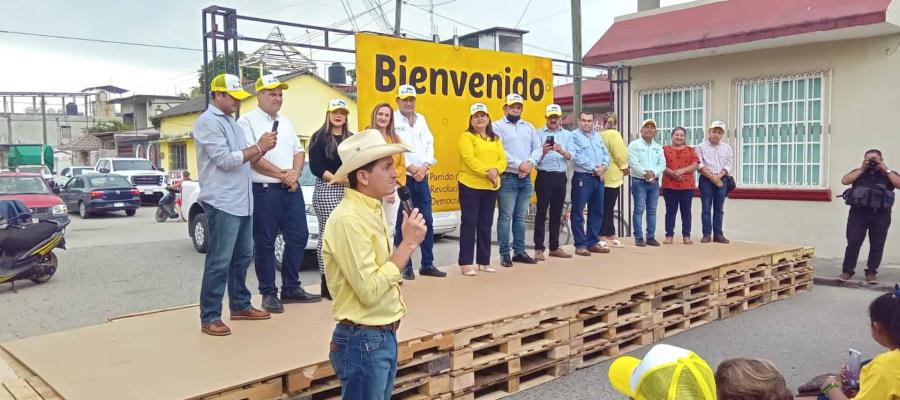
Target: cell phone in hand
x,y
275,126
550,141
854,362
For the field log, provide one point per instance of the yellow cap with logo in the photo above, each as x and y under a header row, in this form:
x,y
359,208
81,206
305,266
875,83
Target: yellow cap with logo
x,y
228,83
665,373
269,82
338,104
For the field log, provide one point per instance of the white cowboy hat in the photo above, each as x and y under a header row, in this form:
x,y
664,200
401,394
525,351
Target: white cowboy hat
x,y
363,148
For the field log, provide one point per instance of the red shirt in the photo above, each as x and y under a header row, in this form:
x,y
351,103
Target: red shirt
x,y
676,159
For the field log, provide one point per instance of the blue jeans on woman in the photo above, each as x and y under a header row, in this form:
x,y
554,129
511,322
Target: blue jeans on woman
x,y
514,196
678,199
365,360
646,197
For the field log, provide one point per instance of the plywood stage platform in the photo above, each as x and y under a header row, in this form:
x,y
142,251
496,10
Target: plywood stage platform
x,y
464,337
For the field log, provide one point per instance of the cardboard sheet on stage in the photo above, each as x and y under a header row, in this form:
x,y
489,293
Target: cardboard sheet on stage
x,y
164,356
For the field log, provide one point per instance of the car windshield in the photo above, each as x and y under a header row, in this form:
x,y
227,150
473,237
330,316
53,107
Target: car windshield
x,y
33,169
23,185
108,181
306,177
132,165
80,170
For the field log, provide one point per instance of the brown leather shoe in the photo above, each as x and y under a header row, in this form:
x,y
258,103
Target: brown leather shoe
x,y
251,314
539,255
215,328
721,239
668,240
706,239
597,248
581,251
871,278
844,276
687,240
560,253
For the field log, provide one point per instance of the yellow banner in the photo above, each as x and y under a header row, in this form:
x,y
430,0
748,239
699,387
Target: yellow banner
x,y
448,80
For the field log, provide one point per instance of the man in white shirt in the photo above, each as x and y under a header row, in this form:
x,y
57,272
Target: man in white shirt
x,y
413,130
277,199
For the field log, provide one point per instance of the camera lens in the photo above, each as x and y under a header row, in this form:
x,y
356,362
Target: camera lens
x,y
872,163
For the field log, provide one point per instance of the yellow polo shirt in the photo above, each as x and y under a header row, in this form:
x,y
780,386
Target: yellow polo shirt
x,y
478,155
880,378
361,278
618,158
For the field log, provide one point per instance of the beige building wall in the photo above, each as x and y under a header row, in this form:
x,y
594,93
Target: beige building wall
x,y
862,105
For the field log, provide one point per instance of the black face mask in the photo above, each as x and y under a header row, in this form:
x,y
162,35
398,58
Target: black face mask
x,y
513,119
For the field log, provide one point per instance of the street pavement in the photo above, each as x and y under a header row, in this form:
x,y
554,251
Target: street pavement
x,y
118,265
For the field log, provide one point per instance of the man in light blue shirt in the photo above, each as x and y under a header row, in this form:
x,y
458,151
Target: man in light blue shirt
x,y
523,152
551,181
591,162
647,162
223,155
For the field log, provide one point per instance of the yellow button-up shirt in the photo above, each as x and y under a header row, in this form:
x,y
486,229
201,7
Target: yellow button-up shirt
x,y
618,158
361,278
478,155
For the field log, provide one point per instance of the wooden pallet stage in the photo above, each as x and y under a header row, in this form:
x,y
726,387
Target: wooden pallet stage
x,y
463,338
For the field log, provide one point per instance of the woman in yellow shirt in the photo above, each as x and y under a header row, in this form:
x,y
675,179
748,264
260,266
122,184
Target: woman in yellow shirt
x,y
481,159
880,378
383,120
614,178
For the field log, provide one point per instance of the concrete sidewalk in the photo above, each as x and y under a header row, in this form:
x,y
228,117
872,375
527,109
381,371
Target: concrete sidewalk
x,y
827,269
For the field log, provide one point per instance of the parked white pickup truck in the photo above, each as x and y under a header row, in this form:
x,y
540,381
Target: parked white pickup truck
x,y
140,172
444,222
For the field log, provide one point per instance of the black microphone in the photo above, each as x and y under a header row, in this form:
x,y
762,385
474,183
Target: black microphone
x,y
405,200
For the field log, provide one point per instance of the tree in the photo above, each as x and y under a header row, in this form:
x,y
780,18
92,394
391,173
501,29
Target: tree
x,y
249,74
109,126
352,74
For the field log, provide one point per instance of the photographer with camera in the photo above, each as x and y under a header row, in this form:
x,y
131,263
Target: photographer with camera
x,y
551,182
870,198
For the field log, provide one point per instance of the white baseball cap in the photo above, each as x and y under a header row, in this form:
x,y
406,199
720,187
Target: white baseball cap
x,y
338,104
478,107
514,98
717,124
553,109
406,91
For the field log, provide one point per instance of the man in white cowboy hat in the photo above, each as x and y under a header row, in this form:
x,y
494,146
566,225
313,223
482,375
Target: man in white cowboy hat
x,y
363,275
223,154
523,152
414,131
278,202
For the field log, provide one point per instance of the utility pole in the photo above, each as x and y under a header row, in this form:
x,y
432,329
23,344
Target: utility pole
x,y
397,18
576,58
44,118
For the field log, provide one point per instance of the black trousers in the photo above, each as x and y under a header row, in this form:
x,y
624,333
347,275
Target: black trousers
x,y
551,193
858,223
610,197
477,208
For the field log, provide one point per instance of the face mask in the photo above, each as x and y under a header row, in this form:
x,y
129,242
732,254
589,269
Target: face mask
x,y
513,119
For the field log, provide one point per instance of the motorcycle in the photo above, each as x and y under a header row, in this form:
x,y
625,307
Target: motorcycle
x,y
26,247
166,207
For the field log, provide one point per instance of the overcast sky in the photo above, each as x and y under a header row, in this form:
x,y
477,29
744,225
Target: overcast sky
x,y
52,64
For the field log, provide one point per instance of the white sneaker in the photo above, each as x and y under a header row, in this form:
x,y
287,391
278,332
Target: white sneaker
x,y
617,243
603,244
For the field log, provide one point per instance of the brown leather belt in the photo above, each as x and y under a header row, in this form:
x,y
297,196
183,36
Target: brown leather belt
x,y
392,327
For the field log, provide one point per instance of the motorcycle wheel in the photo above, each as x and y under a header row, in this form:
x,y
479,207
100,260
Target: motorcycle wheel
x,y
161,215
51,259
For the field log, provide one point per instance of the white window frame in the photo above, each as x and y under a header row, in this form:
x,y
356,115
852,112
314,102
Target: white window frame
x,y
771,151
666,115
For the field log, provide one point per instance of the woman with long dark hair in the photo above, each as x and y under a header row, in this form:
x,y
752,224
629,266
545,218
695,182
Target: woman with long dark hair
x,y
383,121
323,163
482,159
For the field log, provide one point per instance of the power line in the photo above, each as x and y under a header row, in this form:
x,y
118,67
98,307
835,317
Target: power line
x,y
159,46
523,13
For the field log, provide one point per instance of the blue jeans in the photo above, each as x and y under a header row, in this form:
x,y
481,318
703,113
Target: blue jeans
x,y
646,196
675,200
365,360
227,259
275,208
513,198
420,193
712,203
587,190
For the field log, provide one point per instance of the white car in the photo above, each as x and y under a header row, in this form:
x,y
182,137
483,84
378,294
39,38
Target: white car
x,y
70,172
140,172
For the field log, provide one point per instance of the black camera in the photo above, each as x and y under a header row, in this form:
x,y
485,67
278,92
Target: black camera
x,y
872,163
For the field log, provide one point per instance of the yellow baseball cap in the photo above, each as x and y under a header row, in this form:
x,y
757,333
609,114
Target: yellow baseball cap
x,y
647,122
338,104
553,109
514,98
666,372
477,108
268,82
230,84
406,91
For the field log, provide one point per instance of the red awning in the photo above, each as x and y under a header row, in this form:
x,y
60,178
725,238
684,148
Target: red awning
x,y
722,23
594,90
